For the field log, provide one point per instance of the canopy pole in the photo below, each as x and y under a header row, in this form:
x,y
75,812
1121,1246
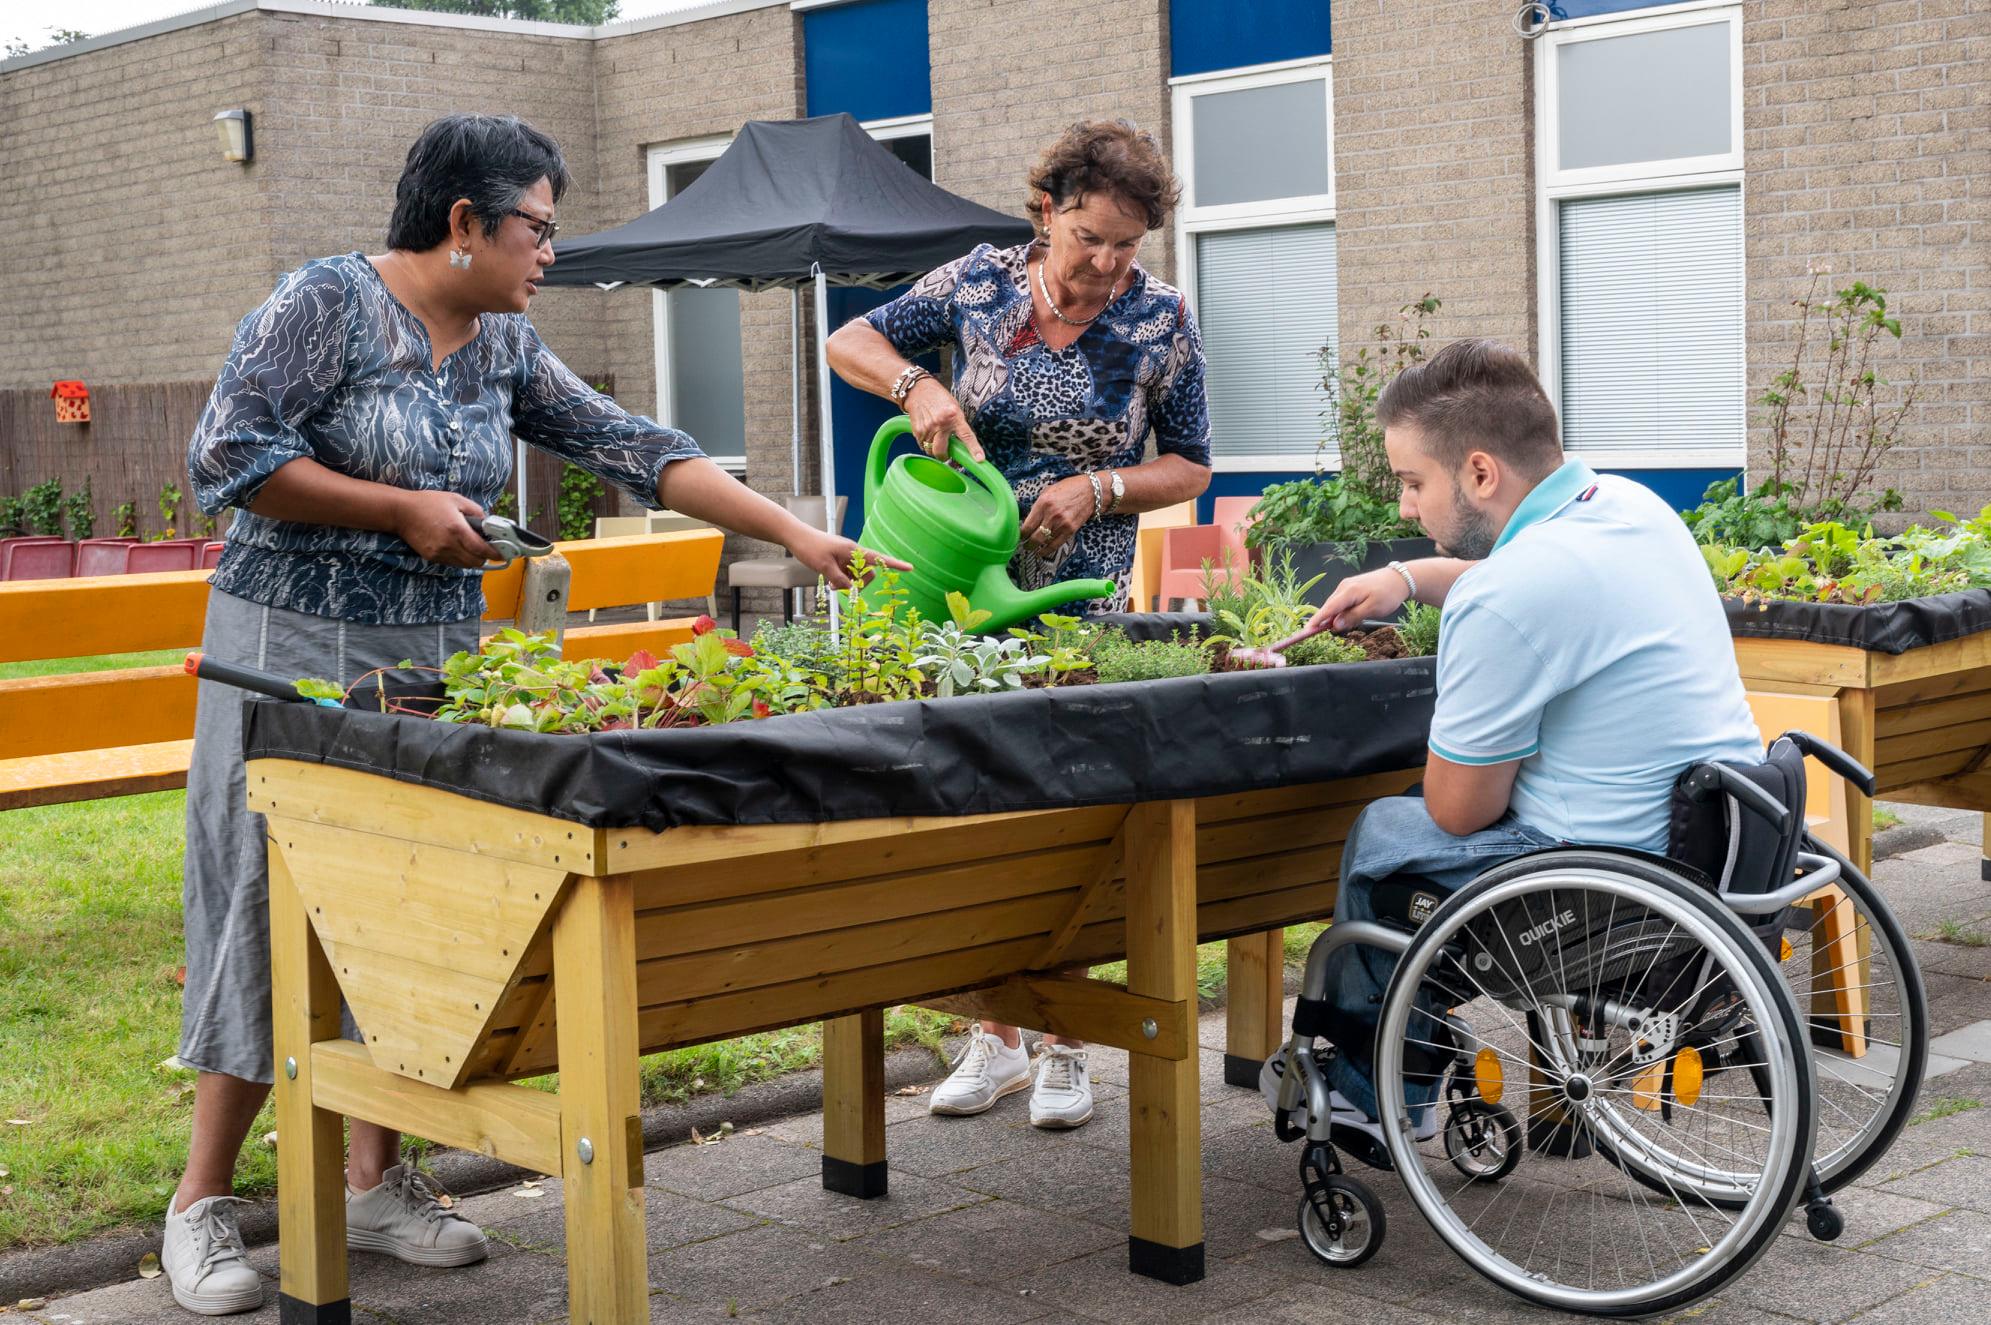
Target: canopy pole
x,y
795,390
826,439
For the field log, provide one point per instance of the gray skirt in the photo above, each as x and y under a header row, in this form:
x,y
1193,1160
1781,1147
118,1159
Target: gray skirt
x,y
225,1020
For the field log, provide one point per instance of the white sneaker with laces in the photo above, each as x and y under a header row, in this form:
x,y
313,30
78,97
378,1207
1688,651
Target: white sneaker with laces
x,y
1063,1095
986,1071
405,1218
204,1262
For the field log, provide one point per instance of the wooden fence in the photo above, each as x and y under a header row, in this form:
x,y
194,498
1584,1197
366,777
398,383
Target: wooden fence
x,y
136,444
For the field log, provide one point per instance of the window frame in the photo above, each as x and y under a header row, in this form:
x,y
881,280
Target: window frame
x,y
658,158
1670,176
1192,220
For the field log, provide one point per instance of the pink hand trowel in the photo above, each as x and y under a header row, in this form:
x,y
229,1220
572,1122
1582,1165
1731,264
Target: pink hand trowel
x,y
1275,655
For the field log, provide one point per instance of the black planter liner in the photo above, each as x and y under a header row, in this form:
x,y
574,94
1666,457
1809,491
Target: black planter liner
x,y
1034,749
1880,628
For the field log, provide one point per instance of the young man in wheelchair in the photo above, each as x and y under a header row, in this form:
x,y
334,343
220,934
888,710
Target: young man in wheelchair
x,y
1584,664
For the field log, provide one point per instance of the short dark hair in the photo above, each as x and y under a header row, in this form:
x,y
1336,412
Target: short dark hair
x,y
489,159
1104,156
1476,395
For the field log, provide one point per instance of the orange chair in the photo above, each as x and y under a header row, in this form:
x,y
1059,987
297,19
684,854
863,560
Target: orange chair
x,y
1183,552
1233,518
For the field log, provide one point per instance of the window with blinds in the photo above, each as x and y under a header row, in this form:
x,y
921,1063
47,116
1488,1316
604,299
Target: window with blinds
x,y
1266,303
1651,325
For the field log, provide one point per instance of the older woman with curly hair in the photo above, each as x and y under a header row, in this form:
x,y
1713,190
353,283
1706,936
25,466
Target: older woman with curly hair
x,y
1069,358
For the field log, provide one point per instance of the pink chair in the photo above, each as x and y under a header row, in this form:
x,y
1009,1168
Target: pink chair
x,y
1232,517
1183,552
210,556
149,558
103,556
7,546
51,560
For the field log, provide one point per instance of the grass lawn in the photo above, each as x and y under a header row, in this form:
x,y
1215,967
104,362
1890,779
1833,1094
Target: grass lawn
x,y
89,943
109,662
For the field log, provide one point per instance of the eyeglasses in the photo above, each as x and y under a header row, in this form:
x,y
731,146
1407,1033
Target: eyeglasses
x,y
541,227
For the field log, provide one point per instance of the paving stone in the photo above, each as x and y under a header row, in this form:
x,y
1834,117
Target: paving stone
x,y
1253,1154
1955,1002
669,1220
807,1129
934,1147
138,1302
1959,1241
1238,1217
1098,1287
908,1297
1323,1304
1972,963
755,1268
1962,1181
1817,1281
999,1243
1972,1042
738,1164
1952,1299
1870,1213
1081,1178
1942,855
807,1205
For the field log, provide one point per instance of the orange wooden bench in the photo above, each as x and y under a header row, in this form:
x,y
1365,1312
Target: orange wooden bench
x,y
89,735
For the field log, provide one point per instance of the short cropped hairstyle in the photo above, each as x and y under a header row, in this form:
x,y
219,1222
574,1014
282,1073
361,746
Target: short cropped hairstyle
x,y
1104,156
489,159
1476,395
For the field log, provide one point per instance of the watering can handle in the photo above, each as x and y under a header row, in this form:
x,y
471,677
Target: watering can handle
x,y
985,473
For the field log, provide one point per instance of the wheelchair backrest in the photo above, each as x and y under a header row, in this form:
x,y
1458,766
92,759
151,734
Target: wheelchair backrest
x,y
1741,851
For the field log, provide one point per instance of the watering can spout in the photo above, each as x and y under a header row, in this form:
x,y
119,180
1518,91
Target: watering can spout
x,y
994,593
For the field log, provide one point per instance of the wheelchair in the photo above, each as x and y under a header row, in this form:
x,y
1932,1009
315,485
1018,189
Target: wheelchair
x,y
1644,1063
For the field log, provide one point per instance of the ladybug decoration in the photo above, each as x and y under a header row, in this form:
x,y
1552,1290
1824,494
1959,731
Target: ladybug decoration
x,y
72,402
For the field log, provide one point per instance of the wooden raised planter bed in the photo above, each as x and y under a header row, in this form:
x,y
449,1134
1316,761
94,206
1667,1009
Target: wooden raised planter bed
x,y
478,943
1920,718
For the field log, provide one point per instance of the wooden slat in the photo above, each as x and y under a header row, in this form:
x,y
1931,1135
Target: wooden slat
x,y
512,1123
1967,792
1944,685
615,643
1971,653
1801,660
44,715
1945,739
84,618
82,775
1081,1009
615,572
1931,768
369,803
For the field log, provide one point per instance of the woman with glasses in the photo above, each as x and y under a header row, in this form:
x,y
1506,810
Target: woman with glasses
x,y
361,427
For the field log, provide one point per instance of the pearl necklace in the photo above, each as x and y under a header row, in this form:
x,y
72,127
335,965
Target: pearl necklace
x,y
1052,304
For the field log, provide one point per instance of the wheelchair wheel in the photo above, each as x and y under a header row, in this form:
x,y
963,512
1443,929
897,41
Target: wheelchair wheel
x,y
1617,965
1341,1221
1850,967
1482,1140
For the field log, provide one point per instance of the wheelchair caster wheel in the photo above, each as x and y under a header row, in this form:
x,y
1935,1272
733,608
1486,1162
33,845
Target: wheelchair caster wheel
x,y
1482,1140
1341,1221
1823,1221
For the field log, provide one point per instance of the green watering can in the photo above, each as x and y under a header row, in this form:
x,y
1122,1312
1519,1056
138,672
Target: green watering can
x,y
959,536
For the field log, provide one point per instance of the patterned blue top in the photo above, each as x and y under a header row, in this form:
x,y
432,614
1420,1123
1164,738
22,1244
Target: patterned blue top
x,y
334,368
1044,414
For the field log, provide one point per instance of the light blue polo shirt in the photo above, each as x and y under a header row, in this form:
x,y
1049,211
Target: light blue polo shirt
x,y
1591,646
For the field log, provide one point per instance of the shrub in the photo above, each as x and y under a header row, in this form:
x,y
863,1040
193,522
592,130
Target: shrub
x,y
1326,647
1118,658
41,508
125,516
80,507
1419,629
578,491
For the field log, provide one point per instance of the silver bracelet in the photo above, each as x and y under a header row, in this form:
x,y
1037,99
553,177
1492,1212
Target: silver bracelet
x,y
1408,578
1098,496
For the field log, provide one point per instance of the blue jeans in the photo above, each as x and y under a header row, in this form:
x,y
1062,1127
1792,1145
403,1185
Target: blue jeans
x,y
1395,835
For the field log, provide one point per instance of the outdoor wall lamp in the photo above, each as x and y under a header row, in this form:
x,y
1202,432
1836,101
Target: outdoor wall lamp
x,y
237,140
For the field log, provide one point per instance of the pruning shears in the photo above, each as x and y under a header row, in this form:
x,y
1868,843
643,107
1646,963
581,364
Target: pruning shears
x,y
512,540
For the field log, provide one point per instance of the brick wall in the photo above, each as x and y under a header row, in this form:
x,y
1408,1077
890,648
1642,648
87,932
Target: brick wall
x,y
132,247
1867,136
1009,75
1434,183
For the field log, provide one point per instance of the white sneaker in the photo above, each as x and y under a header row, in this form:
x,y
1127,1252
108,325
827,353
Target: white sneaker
x,y
404,1218
1063,1095
204,1261
1346,1114
987,1070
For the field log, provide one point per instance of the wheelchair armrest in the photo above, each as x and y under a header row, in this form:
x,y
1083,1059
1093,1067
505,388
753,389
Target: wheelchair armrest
x,y
1707,780
1833,758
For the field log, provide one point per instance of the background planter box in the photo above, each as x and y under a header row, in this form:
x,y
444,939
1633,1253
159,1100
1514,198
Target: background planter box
x,y
1910,683
1325,559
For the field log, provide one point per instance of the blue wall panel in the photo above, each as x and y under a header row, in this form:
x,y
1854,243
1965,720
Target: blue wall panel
x,y
1207,35
1591,8
868,59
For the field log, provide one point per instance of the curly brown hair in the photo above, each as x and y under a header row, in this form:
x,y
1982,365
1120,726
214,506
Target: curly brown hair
x,y
1104,156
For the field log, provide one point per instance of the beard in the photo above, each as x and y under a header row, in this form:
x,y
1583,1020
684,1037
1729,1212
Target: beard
x,y
1472,535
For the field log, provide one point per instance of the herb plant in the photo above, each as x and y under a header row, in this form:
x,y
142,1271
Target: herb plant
x,y
1419,629
1831,562
1120,659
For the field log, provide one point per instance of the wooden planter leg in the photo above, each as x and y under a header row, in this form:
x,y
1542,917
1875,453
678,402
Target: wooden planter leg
x,y
854,1104
1167,1240
1255,1011
311,1180
1856,730
601,1122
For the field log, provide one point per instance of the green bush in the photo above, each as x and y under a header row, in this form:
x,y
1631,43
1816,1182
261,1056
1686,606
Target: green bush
x,y
80,507
1326,647
41,508
1118,658
1419,629
578,490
